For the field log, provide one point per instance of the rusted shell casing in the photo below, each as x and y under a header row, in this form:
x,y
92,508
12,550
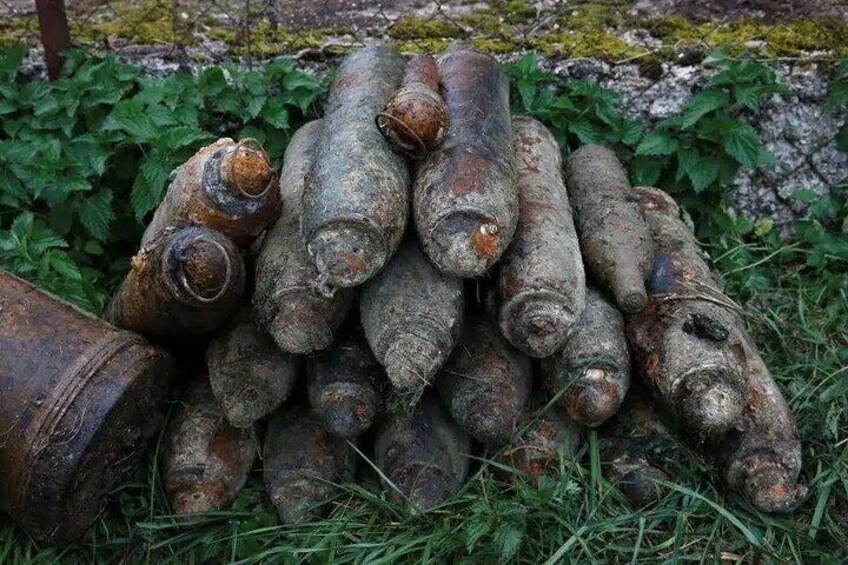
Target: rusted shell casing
x,y
249,374
345,385
549,438
414,119
206,460
303,463
412,314
355,205
592,370
637,449
301,317
541,283
614,239
424,454
688,343
185,282
486,383
227,186
78,400
761,455
465,200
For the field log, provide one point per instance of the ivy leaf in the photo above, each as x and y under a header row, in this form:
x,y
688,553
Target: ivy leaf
x,y
741,142
701,104
95,214
658,143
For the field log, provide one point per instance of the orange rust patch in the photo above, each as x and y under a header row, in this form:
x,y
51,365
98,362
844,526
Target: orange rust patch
x,y
247,170
354,264
485,242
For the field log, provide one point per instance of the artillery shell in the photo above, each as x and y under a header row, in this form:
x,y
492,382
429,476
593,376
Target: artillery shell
x,y
249,375
303,463
593,367
614,239
345,386
78,401
299,316
185,282
637,449
687,343
486,383
761,455
541,283
549,437
414,119
465,200
424,454
355,205
412,314
227,186
206,460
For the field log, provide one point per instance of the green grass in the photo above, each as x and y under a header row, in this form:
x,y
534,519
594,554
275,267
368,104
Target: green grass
x,y
795,292
801,324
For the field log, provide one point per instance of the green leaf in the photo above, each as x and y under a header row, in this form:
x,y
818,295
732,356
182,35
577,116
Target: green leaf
x,y
60,262
704,173
741,142
842,139
95,214
275,114
631,131
701,104
131,117
837,96
687,159
149,185
646,170
658,143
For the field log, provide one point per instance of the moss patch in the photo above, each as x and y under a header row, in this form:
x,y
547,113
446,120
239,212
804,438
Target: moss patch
x,y
18,29
150,23
267,40
411,28
778,40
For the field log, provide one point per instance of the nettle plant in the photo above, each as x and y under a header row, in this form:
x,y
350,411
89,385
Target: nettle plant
x,y
85,159
697,153
577,112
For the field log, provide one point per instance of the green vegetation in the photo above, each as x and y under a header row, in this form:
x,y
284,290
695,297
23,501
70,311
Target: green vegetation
x,y
85,159
81,159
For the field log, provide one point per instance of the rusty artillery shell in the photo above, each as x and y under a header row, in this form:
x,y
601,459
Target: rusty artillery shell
x,y
423,453
465,200
614,239
412,314
355,205
541,282
415,119
249,374
288,304
303,463
549,437
687,343
486,383
345,385
593,367
761,455
636,449
206,461
185,282
227,186
78,400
